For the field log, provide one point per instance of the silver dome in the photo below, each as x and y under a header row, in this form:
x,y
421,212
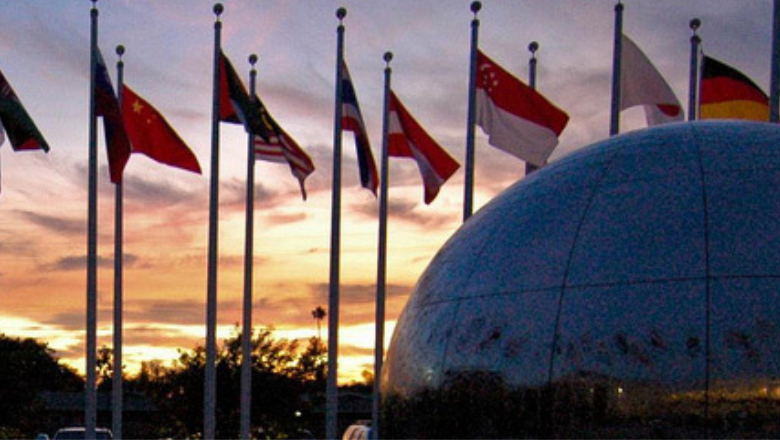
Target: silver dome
x,y
650,261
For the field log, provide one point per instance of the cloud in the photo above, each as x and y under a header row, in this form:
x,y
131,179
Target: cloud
x,y
79,262
357,301
233,195
237,261
352,350
407,211
66,320
165,311
60,225
160,337
275,219
142,193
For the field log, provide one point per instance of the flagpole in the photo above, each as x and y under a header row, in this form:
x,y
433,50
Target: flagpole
x,y
246,359
90,406
774,87
381,270
614,122
116,389
532,47
693,82
210,380
331,393
468,197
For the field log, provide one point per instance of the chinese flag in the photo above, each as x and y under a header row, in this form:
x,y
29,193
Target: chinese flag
x,y
151,134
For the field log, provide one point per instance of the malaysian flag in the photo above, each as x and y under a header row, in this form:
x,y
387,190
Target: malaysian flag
x,y
283,149
352,120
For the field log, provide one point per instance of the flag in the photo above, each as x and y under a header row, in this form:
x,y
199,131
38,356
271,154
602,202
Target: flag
x,y
352,120
107,106
285,149
642,84
16,122
727,93
406,138
516,118
151,134
279,147
235,105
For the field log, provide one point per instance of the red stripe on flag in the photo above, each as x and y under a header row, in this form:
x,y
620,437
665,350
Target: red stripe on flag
x,y
724,88
511,95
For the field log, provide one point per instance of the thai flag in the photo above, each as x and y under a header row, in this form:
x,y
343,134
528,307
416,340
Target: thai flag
x,y
352,120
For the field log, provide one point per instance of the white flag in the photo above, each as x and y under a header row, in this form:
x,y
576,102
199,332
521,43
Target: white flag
x,y
642,84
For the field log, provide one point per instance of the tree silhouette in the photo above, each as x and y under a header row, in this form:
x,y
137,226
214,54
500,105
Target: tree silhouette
x,y
28,368
319,314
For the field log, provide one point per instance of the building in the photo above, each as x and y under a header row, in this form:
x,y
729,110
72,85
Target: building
x,y
631,289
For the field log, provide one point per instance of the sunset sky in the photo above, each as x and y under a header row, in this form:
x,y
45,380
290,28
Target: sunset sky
x,y
44,54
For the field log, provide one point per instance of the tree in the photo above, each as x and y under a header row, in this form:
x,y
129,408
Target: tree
x,y
105,367
27,368
318,314
281,376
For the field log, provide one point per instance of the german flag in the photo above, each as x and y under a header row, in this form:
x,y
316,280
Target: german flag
x,y
727,93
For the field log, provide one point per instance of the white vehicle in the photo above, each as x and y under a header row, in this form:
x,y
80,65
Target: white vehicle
x,y
357,432
79,433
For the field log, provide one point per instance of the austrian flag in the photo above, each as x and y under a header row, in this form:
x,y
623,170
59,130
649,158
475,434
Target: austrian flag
x,y
516,118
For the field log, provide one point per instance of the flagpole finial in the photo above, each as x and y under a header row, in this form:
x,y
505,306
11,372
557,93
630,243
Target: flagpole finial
x,y
695,24
341,13
252,60
218,9
388,56
475,7
533,47
120,50
619,6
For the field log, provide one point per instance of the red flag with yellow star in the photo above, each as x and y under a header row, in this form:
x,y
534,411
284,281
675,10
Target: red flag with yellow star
x,y
151,134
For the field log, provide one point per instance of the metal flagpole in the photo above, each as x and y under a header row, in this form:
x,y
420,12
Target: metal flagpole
x,y
532,47
381,270
693,83
246,359
331,397
116,390
210,381
774,87
90,406
468,186
614,122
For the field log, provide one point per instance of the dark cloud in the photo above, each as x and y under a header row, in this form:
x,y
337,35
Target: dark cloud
x,y
233,195
357,301
165,311
237,261
60,225
66,320
144,193
285,218
408,212
159,337
352,350
79,262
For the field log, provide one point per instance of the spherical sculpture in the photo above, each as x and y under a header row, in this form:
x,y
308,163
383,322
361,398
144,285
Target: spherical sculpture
x,y
629,289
